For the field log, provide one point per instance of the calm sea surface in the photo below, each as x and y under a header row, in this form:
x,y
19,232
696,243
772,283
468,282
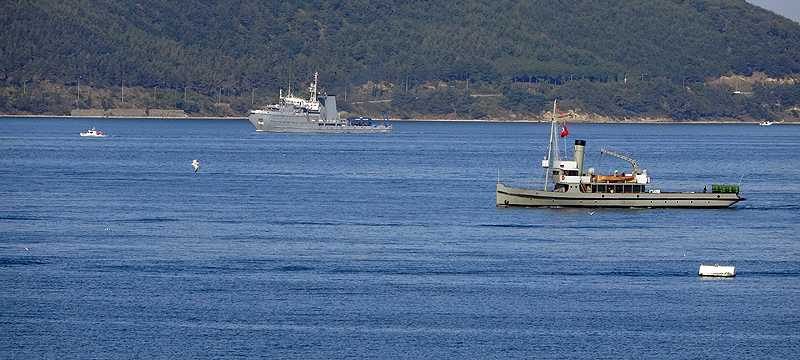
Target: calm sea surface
x,y
386,246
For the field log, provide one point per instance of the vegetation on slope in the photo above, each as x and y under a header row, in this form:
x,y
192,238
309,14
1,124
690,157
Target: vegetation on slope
x,y
616,58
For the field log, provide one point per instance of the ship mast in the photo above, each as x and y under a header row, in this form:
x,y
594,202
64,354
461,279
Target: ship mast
x,y
552,147
312,89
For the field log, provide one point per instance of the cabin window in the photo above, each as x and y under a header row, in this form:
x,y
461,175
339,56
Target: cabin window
x,y
617,188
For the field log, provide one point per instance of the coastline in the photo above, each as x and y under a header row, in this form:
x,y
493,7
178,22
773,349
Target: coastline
x,y
594,121
531,120
124,117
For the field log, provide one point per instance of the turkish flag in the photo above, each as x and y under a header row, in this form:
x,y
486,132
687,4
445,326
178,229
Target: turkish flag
x,y
564,130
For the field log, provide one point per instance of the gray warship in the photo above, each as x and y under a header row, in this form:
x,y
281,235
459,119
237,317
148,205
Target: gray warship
x,y
568,184
317,114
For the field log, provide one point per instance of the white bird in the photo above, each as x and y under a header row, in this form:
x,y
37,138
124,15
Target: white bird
x,y
196,165
26,249
591,213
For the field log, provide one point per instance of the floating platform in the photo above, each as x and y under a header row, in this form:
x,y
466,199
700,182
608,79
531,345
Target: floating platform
x,y
717,270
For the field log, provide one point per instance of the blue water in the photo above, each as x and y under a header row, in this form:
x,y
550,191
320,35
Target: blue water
x,y
386,246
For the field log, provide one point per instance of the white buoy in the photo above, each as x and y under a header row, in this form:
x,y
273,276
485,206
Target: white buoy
x,y
717,270
196,165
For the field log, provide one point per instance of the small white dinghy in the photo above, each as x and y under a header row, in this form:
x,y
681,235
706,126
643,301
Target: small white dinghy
x,y
717,270
94,133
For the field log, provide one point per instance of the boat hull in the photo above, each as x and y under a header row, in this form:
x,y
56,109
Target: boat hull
x,y
307,123
507,196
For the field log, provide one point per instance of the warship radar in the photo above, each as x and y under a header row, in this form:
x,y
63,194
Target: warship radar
x,y
569,184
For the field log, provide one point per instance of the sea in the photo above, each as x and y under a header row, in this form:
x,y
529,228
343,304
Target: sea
x,y
387,246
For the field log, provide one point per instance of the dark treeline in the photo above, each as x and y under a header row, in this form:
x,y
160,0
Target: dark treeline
x,y
579,49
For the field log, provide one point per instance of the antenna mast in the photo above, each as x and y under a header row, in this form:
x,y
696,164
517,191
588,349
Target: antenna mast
x,y
552,146
313,88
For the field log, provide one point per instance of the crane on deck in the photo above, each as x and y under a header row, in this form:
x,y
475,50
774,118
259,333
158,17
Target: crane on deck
x,y
623,157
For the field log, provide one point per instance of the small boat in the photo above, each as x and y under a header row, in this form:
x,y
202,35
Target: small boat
x,y
766,123
93,133
717,270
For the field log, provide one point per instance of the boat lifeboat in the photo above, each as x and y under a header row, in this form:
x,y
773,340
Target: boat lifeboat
x,y
93,133
614,178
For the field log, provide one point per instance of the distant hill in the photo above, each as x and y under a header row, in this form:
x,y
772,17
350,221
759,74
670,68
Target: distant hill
x,y
228,48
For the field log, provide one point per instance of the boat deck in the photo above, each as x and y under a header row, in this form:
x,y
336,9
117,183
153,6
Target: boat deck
x,y
507,196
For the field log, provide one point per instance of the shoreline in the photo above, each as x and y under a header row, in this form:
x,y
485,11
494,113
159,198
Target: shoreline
x,y
499,121
613,122
28,116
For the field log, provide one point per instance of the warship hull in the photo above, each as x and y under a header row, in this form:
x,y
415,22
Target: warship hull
x,y
307,123
509,196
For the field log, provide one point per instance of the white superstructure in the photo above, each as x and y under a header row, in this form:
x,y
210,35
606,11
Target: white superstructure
x,y
310,105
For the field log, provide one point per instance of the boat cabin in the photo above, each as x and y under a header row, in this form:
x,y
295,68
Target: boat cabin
x,y
569,176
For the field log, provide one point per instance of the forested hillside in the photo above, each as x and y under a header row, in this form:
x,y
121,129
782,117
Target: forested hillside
x,y
428,57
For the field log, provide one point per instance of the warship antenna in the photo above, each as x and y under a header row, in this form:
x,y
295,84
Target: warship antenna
x,y
313,87
623,157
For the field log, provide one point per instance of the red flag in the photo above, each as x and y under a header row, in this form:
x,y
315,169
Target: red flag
x,y
564,130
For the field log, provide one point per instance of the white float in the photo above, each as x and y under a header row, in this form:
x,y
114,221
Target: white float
x,y
717,270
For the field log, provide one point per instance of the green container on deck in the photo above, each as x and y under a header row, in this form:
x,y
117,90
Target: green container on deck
x,y
725,188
